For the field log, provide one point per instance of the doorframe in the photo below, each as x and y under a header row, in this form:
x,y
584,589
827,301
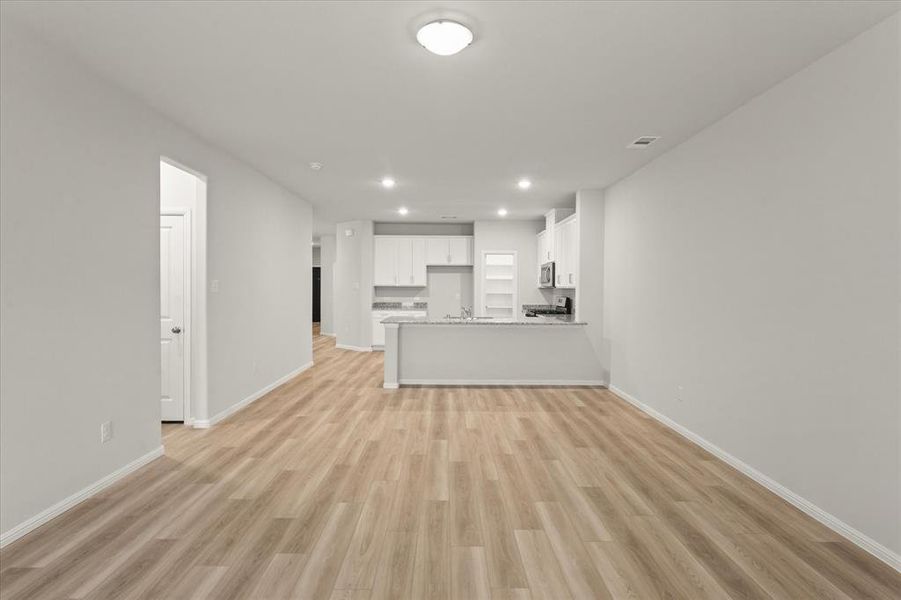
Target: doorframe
x,y
187,301
196,396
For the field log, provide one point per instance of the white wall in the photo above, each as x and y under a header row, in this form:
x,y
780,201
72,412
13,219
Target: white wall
x,y
752,283
353,284
589,295
327,285
510,235
79,275
447,291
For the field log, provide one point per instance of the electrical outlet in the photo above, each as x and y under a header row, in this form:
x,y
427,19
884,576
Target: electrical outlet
x,y
106,432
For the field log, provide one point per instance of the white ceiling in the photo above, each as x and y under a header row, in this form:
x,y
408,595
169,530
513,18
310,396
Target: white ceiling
x,y
549,90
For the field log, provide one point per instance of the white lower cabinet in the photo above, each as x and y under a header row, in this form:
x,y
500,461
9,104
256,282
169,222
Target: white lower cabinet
x,y
378,329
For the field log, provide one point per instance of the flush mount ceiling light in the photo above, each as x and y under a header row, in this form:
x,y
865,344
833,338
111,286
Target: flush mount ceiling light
x,y
315,165
402,211
444,38
523,184
388,182
502,212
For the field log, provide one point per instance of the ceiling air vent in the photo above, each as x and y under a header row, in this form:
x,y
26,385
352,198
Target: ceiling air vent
x,y
448,217
644,141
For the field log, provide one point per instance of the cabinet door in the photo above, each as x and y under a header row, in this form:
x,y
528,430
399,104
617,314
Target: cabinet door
x,y
560,257
437,252
460,250
404,264
550,248
385,262
542,248
418,271
572,252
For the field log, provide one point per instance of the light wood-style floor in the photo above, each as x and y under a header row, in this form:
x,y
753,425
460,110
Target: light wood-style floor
x,y
332,488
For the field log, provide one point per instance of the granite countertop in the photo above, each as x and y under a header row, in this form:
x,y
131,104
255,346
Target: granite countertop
x,y
515,321
400,306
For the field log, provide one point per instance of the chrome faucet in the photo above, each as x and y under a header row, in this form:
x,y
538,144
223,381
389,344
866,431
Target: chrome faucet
x,y
465,313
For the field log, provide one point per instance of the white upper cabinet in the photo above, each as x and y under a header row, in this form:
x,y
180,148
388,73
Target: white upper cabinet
x,y
460,250
544,251
566,250
399,261
437,251
550,245
418,275
385,261
447,250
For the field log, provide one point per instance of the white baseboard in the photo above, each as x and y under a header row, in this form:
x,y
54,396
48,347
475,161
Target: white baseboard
x,y
328,334
390,386
881,552
512,382
354,348
251,398
67,503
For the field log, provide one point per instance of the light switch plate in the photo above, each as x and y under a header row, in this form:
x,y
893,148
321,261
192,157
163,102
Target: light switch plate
x,y
106,432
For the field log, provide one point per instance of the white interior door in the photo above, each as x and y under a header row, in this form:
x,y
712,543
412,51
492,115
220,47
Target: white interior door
x,y
173,249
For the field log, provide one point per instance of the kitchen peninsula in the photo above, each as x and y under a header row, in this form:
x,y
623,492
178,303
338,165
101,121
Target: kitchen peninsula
x,y
545,350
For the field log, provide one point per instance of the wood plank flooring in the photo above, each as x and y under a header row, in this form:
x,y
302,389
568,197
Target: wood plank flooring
x,y
333,488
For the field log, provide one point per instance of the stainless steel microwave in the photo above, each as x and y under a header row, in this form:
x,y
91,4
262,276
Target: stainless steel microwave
x,y
546,276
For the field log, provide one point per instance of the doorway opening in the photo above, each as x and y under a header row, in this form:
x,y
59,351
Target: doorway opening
x,y
316,287
182,295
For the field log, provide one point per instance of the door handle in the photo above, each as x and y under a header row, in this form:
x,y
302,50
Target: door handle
x,y
176,329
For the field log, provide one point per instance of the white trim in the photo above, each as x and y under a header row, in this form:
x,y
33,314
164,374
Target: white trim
x,y
67,503
510,382
354,348
881,552
188,325
251,398
390,386
328,334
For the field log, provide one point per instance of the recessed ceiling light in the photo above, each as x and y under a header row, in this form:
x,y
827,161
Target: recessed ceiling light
x,y
523,184
402,211
502,212
315,165
388,182
444,37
